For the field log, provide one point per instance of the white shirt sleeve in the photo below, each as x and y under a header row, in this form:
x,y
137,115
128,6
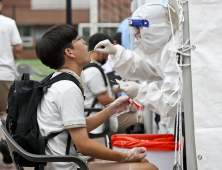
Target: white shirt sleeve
x,y
71,107
130,66
15,37
161,100
94,81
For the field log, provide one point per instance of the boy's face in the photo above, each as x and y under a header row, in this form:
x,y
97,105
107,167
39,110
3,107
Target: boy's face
x,y
80,51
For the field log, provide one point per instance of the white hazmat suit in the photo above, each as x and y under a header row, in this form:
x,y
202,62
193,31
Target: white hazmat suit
x,y
156,48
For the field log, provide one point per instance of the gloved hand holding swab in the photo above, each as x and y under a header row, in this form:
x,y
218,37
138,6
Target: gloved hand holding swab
x,y
130,88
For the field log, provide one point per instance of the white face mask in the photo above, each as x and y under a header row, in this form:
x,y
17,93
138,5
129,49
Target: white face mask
x,y
154,37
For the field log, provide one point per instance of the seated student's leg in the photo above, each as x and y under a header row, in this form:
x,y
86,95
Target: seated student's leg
x,y
142,166
126,120
112,165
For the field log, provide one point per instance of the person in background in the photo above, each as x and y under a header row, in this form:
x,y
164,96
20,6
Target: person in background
x,y
10,43
117,38
96,89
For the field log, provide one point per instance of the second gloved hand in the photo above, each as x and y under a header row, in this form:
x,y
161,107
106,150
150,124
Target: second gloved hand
x,y
105,47
130,88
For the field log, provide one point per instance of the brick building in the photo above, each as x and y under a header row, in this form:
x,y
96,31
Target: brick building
x,y
34,17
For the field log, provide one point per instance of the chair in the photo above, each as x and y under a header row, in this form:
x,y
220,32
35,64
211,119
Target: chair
x,y
107,133
112,76
21,68
14,147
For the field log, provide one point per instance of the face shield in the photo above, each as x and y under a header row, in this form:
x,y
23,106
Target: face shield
x,y
134,29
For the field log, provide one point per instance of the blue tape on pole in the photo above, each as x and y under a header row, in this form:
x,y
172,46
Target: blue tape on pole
x,y
138,23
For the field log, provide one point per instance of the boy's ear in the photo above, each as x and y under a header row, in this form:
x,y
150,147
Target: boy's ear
x,y
69,53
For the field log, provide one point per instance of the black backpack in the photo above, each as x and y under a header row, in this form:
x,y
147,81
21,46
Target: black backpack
x,y
23,99
104,78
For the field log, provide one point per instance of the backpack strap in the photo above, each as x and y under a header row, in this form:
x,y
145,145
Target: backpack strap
x,y
68,144
52,135
100,69
104,78
92,106
25,76
48,81
47,78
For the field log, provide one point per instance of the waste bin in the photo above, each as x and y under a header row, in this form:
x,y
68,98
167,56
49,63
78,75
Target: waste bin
x,y
160,147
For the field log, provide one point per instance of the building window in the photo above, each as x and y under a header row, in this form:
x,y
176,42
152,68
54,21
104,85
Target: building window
x,y
25,31
38,34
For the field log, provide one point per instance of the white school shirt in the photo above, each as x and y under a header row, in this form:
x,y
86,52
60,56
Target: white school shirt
x,y
61,108
95,86
9,36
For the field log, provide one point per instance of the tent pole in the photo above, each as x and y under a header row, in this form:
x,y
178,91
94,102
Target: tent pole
x,y
68,12
148,122
93,17
188,101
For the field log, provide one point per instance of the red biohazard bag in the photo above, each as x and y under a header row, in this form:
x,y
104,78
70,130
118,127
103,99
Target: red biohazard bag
x,y
149,141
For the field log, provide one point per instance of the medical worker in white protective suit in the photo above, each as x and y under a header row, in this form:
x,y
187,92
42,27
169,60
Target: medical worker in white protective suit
x,y
152,62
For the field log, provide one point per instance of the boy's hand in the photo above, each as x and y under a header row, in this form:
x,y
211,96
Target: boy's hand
x,y
135,155
119,106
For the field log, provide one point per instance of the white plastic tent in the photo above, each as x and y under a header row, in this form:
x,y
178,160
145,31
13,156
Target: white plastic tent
x,y
205,26
203,84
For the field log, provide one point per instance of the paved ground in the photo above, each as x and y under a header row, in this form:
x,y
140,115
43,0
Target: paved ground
x,y
12,167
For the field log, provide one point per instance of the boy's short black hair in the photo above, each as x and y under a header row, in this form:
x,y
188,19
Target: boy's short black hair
x,y
50,49
96,38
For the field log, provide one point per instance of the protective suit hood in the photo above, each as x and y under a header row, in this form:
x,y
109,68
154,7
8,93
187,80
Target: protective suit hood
x,y
154,37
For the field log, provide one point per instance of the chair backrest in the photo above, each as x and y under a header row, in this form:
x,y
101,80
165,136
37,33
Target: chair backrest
x,y
14,147
112,76
21,68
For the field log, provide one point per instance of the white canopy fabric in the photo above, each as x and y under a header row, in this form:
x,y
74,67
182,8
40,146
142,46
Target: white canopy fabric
x,y
205,18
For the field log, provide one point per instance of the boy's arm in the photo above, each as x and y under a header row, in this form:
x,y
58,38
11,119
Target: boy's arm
x,y
96,120
117,107
95,150
17,48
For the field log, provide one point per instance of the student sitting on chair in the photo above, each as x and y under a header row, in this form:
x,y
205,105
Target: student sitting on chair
x,y
62,107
